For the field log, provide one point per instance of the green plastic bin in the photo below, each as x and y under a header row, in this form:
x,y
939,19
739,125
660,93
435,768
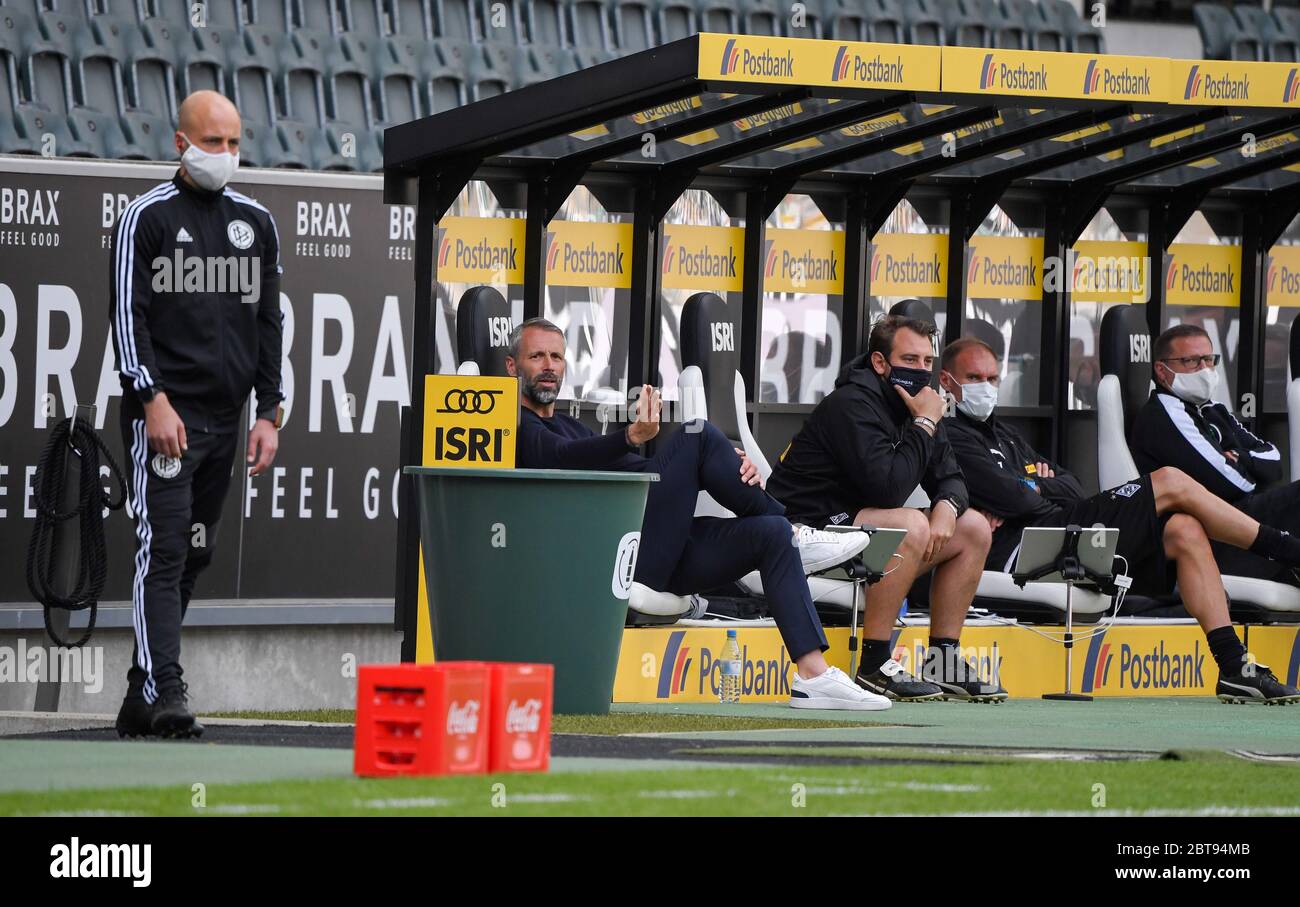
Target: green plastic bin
x,y
524,564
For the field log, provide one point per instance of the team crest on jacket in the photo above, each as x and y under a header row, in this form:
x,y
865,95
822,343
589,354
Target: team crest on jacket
x,y
165,467
1127,491
240,234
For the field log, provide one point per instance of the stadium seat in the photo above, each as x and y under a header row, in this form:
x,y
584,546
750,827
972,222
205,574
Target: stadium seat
x,y
125,10
769,17
103,132
397,93
147,59
488,75
305,146
845,20
960,28
721,16
1040,33
1221,38
1293,397
154,133
502,21
413,19
923,27
443,69
588,24
455,19
545,22
1125,387
1288,22
1276,45
676,19
634,25
314,15
364,17
273,14
886,22
538,63
1004,31
11,142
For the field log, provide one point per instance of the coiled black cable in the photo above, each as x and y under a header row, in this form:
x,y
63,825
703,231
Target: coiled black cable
x,y
71,437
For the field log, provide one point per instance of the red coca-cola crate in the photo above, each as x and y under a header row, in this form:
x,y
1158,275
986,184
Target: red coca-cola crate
x,y
422,719
521,717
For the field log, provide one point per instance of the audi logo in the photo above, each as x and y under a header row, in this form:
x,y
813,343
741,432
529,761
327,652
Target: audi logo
x,y
480,402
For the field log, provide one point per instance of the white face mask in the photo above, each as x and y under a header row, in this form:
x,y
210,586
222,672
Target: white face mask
x,y
1195,387
211,171
978,400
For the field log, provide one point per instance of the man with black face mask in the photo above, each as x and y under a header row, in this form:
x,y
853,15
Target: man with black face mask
x,y
857,459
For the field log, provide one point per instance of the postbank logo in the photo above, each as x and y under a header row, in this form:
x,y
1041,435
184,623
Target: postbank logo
x,y
1120,81
803,261
1145,665
699,675
877,69
1283,276
589,254
470,421
907,264
1203,275
1000,74
703,258
481,250
1005,267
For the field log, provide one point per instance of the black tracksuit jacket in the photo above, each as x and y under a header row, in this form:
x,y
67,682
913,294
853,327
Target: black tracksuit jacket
x,y
860,448
206,332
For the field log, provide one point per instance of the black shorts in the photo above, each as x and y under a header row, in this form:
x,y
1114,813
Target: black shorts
x,y
1131,508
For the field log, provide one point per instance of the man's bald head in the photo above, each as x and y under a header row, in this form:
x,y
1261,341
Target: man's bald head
x,y
209,121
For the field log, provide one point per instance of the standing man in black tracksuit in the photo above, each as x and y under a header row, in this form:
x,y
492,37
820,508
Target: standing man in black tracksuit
x,y
857,459
195,316
1165,519
1182,426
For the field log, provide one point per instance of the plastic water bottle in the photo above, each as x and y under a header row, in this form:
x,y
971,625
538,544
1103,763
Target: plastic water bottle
x,y
729,690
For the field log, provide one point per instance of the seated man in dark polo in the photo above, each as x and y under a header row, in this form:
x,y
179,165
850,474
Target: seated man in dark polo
x,y
1181,426
680,553
857,459
1163,517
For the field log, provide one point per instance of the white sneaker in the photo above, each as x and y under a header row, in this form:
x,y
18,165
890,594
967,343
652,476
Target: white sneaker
x,y
820,550
834,690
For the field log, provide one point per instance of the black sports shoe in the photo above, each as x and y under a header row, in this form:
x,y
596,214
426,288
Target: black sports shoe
x,y
135,718
962,681
1256,683
172,716
892,681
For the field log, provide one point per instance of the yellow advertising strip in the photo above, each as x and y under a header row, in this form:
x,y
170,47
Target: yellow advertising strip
x,y
1227,83
1049,74
1282,281
1203,275
481,250
589,255
663,111
468,421
806,61
1005,267
909,264
1110,272
673,664
703,258
768,117
804,261
868,127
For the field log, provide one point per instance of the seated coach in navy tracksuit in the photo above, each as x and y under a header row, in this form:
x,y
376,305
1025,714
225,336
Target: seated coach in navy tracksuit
x,y
681,554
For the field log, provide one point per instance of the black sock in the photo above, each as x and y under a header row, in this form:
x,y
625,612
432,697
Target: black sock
x,y
1277,545
1229,654
875,652
942,659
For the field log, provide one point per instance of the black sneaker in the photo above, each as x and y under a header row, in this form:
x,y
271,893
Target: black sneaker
x,y
972,689
135,718
172,716
1256,683
892,681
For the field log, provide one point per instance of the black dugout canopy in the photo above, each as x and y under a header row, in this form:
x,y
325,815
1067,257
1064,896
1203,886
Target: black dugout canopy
x,y
857,127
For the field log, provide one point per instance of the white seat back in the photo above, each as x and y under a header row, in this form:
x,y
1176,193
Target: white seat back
x,y
1293,424
1115,464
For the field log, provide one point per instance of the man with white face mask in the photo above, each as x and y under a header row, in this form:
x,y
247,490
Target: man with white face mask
x,y
1166,521
195,316
1181,425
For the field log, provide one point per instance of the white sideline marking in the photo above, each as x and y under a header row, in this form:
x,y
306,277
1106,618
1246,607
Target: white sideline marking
x,y
408,803
1127,813
545,798
685,794
242,809
98,813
